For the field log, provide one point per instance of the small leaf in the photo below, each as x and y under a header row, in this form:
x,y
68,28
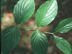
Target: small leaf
x,y
64,26
62,44
46,13
23,10
9,39
39,43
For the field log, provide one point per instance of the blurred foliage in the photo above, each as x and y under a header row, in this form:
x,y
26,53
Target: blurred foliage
x,y
3,2
64,11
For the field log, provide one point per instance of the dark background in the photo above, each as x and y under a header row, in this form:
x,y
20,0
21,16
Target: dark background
x,y
24,47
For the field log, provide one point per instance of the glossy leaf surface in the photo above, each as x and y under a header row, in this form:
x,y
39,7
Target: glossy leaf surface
x,y
39,43
62,44
9,39
46,13
64,26
23,10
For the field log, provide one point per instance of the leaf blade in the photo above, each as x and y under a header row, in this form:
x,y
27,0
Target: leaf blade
x,y
23,10
64,26
62,44
44,14
39,43
9,39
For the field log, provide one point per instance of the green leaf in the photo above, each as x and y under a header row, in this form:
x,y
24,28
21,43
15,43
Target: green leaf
x,y
62,44
23,10
39,43
64,26
46,13
9,39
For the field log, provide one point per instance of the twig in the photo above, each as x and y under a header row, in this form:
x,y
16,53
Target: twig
x,y
22,29
26,29
4,26
49,33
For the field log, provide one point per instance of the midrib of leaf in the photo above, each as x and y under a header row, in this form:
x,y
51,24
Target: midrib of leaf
x,y
65,46
40,40
24,11
36,39
23,15
20,10
38,34
60,42
46,12
12,39
10,36
9,33
62,27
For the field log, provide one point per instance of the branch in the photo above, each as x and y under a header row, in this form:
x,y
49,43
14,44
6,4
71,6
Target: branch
x,y
27,29
4,26
22,29
49,33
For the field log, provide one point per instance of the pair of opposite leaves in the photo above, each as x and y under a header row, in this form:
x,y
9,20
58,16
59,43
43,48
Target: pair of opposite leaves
x,y
45,14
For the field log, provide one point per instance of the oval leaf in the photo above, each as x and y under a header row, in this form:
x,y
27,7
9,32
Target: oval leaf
x,y
64,26
46,13
23,10
39,43
9,39
62,44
